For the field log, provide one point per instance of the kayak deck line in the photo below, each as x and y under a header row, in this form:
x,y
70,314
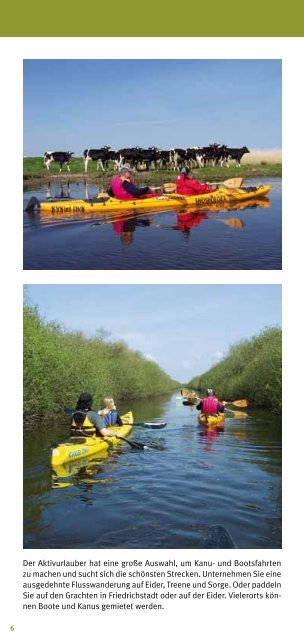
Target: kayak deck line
x,y
218,197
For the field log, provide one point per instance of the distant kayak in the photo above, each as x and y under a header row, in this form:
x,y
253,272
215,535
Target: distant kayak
x,y
170,201
78,447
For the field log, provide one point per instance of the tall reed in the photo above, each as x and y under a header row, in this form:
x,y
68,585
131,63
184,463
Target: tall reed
x,y
252,369
60,364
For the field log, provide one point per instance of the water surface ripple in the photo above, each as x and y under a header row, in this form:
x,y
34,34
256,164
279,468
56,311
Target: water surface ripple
x,y
159,498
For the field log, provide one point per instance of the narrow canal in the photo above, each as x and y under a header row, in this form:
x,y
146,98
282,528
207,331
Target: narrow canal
x,y
167,496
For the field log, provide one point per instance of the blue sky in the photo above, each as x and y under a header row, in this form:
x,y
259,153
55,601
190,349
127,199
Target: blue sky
x,y
70,105
184,328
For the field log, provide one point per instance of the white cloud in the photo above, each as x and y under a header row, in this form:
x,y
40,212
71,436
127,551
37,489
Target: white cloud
x,y
219,354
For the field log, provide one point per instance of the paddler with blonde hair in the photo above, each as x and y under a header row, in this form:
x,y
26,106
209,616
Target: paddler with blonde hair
x,y
86,420
109,413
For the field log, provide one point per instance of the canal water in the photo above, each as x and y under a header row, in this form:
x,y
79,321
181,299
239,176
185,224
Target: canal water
x,y
170,495
247,236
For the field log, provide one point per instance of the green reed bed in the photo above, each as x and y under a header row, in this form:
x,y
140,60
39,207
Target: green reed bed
x,y
60,364
252,370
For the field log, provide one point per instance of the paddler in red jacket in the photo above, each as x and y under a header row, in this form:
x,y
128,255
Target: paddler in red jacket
x,y
210,404
187,186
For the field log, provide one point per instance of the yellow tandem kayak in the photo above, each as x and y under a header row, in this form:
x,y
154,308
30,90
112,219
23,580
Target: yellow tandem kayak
x,y
170,201
211,420
78,447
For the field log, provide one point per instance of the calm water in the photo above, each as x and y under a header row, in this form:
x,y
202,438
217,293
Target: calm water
x,y
246,238
165,497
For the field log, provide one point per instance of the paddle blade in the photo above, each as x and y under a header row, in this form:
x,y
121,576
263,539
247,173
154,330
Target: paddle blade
x,y
169,187
187,393
240,403
234,223
237,403
152,425
235,183
240,415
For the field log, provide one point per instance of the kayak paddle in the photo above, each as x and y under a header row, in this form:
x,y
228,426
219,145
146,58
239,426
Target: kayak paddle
x,y
236,403
232,183
191,395
132,443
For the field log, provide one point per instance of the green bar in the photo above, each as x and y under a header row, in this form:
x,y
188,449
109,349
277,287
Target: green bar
x,y
139,18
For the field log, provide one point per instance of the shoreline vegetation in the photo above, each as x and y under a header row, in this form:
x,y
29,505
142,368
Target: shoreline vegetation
x,y
60,364
257,164
252,369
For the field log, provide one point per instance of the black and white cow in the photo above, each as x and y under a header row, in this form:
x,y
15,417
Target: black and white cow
x,y
147,157
195,157
101,156
116,158
163,158
178,158
63,157
130,156
229,153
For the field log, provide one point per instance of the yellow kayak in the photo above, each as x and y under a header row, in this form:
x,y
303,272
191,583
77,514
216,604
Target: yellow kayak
x,y
78,447
211,420
170,201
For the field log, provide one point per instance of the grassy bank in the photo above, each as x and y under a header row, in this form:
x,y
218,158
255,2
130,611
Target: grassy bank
x,y
59,365
255,167
252,370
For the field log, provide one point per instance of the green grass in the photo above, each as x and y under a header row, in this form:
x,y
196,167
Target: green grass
x,y
33,168
251,370
60,364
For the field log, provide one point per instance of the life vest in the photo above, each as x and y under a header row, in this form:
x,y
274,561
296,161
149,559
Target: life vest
x,y
119,192
80,420
109,417
209,405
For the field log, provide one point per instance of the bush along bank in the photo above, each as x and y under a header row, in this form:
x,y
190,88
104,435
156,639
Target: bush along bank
x,y
60,364
252,370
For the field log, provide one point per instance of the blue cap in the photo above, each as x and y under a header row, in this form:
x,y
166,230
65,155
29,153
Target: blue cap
x,y
185,170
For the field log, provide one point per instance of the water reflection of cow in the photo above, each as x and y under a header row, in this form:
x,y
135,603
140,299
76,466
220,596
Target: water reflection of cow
x,y
65,192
